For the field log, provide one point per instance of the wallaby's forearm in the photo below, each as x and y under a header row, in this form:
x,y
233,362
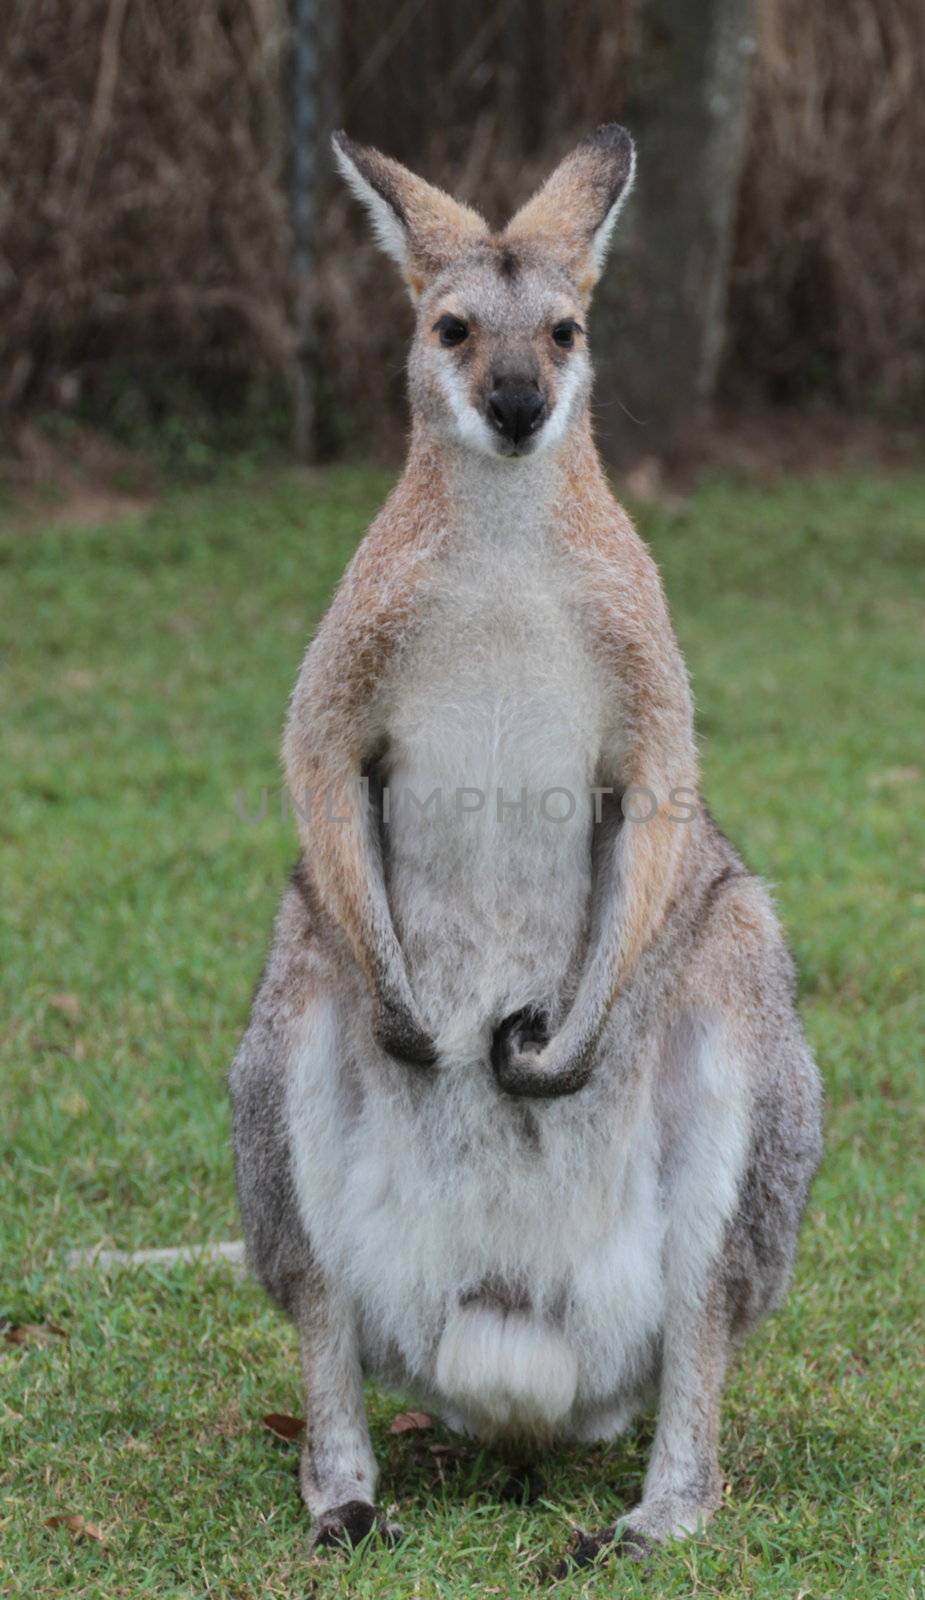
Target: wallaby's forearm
x,y
332,733
346,869
633,893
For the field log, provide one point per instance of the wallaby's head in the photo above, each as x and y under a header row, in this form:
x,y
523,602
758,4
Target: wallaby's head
x,y
499,362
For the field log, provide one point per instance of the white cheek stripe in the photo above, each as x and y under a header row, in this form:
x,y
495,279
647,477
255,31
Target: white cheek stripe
x,y
473,429
561,418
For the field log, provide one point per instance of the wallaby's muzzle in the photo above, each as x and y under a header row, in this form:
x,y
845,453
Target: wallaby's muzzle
x,y
516,411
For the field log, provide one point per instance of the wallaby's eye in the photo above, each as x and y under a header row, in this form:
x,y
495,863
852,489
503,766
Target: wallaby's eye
x,y
451,330
564,333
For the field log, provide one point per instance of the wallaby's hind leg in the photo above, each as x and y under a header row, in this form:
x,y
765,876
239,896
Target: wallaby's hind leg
x,y
742,1118
338,1470
683,1485
291,1015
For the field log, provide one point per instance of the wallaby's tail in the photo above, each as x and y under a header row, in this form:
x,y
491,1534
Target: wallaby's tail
x,y
506,1370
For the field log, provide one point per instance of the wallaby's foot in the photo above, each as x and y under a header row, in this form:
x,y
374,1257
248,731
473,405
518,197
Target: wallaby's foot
x,y
590,1549
524,1487
637,1536
344,1527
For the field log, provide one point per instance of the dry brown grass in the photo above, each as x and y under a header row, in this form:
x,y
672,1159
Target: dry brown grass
x,y
141,208
143,215
828,287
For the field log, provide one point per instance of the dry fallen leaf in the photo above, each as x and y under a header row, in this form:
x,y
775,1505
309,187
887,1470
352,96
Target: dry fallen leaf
x,y
74,1104
647,483
411,1422
284,1427
38,1332
68,1003
892,777
78,1526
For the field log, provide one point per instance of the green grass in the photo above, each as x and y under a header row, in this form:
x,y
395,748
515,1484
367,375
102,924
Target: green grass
x,y
146,666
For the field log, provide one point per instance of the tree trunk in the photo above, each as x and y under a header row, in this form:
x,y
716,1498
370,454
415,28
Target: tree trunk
x,y
659,322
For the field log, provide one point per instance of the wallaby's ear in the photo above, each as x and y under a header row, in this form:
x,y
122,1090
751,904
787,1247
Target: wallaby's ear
x,y
575,210
419,226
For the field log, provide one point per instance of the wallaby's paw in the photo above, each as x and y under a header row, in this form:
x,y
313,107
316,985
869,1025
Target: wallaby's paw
x,y
585,1550
519,1036
524,1032
526,1063
348,1525
516,1043
647,1527
401,1036
634,1545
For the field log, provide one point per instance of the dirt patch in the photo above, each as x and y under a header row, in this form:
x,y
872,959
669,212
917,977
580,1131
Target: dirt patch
x,y
767,443
78,479
771,441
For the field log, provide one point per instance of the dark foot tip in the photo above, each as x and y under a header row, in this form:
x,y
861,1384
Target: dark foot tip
x,y
634,1546
345,1526
586,1550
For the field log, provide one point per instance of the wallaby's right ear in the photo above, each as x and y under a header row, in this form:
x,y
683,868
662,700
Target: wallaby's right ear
x,y
419,226
575,210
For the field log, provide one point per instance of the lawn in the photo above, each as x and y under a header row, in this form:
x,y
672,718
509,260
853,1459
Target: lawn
x,y
146,665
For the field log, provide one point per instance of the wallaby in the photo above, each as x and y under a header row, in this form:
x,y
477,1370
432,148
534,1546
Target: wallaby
x,y
524,1118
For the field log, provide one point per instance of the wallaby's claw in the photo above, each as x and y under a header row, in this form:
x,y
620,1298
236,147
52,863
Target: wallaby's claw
x,y
524,1032
590,1549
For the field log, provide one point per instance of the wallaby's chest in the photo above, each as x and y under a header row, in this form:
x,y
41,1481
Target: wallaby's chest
x,y
494,716
497,683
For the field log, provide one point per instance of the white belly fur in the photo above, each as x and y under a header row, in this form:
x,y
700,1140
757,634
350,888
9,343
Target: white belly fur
x,y
417,1200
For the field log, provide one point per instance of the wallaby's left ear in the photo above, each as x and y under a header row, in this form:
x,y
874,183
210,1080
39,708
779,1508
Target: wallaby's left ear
x,y
419,226
575,210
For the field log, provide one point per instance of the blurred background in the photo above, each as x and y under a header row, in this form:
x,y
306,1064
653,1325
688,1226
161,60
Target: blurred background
x,y
175,250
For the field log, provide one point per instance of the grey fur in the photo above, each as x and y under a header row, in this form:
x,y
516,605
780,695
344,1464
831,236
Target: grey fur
x,y
752,1273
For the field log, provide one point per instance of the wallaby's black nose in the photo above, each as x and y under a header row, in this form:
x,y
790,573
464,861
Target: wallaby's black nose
x,y
516,410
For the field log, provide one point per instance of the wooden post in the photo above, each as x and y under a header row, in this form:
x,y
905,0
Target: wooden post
x,y
313,61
